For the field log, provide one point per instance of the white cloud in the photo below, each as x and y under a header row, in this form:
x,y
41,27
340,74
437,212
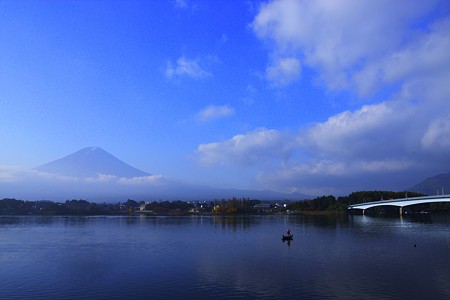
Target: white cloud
x,y
186,67
134,181
184,5
102,178
29,184
342,38
213,112
437,136
10,173
284,71
427,56
143,180
363,46
181,4
13,174
392,144
326,172
247,149
356,133
381,138
336,177
17,174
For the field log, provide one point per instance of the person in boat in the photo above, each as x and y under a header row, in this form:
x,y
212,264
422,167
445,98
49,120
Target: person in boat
x,y
288,232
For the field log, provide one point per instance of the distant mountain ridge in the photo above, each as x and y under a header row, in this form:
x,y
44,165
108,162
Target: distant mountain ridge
x,y
90,162
433,185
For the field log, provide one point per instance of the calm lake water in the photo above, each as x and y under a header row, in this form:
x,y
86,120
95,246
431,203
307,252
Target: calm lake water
x,y
344,257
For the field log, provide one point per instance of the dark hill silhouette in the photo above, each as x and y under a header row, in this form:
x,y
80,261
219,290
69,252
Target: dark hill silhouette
x,y
433,185
89,162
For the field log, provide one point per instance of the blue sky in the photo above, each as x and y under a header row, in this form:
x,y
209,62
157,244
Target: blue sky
x,y
317,97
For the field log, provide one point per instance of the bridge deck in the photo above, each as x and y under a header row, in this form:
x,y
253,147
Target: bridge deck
x,y
402,202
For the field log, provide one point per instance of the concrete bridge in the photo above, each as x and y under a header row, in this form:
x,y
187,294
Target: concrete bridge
x,y
401,202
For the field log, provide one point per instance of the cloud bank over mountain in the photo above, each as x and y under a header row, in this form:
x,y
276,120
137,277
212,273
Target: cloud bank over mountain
x,y
88,173
94,174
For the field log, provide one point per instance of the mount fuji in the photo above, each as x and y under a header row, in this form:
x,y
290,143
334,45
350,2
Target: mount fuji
x,y
94,174
90,162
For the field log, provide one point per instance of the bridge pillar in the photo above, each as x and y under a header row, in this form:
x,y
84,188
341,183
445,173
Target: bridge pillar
x,y
401,210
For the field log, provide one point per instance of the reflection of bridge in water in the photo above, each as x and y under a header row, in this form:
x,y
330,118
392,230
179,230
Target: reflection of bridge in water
x,y
401,202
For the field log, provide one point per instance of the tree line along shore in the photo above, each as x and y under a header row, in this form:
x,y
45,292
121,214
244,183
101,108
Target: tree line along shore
x,y
319,205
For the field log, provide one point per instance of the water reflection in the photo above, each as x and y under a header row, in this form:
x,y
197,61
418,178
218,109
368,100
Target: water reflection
x,y
7,220
224,257
18,220
320,220
235,223
288,242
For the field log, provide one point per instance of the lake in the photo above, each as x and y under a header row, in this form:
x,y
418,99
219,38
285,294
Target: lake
x,y
331,257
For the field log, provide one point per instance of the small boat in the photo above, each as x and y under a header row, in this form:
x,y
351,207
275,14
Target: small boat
x,y
289,237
